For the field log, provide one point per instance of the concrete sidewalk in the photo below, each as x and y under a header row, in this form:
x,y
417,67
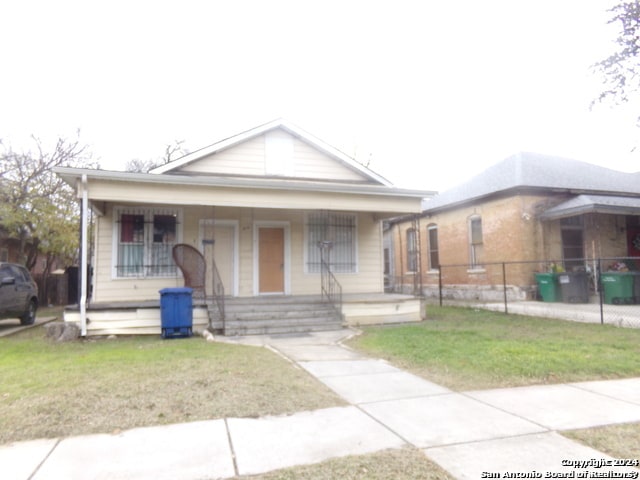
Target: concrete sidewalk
x,y
469,434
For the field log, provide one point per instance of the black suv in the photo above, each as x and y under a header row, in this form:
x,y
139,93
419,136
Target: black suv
x,y
18,293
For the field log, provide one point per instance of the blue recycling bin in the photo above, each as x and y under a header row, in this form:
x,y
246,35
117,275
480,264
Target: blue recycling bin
x,y
176,311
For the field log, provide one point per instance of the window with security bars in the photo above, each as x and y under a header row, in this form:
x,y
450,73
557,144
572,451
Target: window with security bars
x,y
335,233
145,239
572,234
412,250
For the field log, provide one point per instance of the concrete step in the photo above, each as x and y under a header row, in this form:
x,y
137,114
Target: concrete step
x,y
249,329
260,322
277,314
260,305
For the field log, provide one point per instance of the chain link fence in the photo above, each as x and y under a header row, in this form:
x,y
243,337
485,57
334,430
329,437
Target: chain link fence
x,y
593,290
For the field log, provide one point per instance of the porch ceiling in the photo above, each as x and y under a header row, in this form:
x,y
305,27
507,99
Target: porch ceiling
x,y
613,205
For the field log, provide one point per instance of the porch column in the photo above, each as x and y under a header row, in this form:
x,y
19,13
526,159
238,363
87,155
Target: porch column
x,y
83,258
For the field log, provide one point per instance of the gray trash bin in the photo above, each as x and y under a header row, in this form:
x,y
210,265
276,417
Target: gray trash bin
x,y
574,287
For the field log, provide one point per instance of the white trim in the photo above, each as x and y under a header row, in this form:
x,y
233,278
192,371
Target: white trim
x,y
235,224
430,228
287,255
473,262
115,231
70,175
84,259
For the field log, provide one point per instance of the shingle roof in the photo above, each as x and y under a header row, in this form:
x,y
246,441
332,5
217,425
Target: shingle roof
x,y
533,170
594,203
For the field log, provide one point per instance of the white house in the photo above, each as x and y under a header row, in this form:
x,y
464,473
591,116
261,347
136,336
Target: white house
x,y
260,205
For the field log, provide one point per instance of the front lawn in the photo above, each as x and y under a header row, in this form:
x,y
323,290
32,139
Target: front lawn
x,y
49,390
467,349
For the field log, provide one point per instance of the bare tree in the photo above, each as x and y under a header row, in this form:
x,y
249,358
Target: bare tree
x,y
171,152
620,70
36,207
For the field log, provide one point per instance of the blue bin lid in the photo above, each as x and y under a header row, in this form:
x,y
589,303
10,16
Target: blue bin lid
x,y
176,290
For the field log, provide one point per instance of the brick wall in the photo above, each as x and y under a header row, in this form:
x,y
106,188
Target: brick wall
x,y
511,232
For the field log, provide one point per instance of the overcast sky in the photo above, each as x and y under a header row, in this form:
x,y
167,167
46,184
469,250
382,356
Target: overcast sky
x,y
429,92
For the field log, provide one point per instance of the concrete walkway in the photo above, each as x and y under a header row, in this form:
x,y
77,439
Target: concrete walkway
x,y
472,435
8,327
627,316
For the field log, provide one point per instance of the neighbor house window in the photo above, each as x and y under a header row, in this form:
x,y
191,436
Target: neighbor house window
x,y
145,239
572,241
434,258
412,250
334,236
475,242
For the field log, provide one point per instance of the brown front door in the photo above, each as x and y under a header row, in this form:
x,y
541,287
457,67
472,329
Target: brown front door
x,y
271,259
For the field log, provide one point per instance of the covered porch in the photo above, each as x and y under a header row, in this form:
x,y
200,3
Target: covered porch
x,y
261,238
592,226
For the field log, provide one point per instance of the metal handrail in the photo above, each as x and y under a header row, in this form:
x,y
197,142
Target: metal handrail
x,y
330,287
218,292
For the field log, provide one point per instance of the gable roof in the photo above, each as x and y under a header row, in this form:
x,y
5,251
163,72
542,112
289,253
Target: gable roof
x,y
262,129
541,172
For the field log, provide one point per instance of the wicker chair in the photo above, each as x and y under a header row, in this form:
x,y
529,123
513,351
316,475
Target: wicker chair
x,y
193,267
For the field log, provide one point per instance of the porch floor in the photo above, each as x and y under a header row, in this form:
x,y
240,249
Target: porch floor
x,y
346,299
251,315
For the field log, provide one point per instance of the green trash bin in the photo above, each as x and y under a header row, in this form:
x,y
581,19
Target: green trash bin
x,y
548,287
636,286
618,287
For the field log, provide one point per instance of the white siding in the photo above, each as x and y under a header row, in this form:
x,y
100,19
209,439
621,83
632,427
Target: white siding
x,y
157,193
368,278
249,157
310,163
106,288
134,321
244,159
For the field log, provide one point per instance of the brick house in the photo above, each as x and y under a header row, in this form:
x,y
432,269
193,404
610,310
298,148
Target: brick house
x,y
528,208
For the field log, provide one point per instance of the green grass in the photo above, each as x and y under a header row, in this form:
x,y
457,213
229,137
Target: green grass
x,y
466,349
618,441
52,389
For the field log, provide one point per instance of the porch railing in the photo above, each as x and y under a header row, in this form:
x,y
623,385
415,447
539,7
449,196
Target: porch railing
x,y
218,292
330,287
